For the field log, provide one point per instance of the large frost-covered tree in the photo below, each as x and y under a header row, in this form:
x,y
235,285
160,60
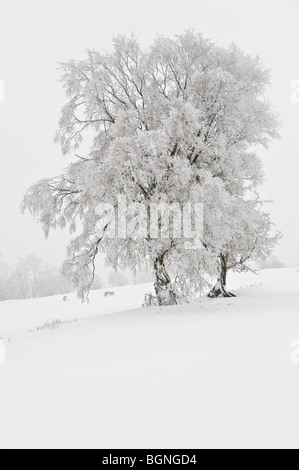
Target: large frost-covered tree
x,y
174,124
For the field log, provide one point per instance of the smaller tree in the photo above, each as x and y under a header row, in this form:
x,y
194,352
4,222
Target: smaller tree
x,y
253,238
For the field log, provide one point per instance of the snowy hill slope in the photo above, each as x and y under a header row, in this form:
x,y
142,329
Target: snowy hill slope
x,y
17,317
214,373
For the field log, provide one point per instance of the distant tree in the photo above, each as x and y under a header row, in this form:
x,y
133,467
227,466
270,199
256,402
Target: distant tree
x,y
5,273
173,124
97,283
30,278
26,275
117,279
271,262
52,282
143,277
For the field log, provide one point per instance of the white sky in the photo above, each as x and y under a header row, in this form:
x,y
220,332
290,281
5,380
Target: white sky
x,y
35,35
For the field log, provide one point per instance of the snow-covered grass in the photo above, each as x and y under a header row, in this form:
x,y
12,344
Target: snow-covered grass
x,y
214,373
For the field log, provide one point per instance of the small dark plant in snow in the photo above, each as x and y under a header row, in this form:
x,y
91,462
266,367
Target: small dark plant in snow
x,y
150,300
53,325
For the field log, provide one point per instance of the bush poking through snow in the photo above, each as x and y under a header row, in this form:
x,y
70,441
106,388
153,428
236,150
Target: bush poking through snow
x,y
53,325
150,300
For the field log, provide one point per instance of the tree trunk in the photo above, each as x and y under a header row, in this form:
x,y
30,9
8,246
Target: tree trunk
x,y
220,288
163,286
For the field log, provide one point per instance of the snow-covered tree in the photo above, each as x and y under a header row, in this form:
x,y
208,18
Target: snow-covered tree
x,y
31,277
174,124
26,273
117,279
5,273
253,238
273,262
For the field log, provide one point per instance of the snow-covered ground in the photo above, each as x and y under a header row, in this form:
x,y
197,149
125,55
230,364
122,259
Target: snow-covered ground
x,y
211,374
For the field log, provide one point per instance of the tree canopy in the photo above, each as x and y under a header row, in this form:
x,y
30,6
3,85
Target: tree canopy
x,y
177,123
